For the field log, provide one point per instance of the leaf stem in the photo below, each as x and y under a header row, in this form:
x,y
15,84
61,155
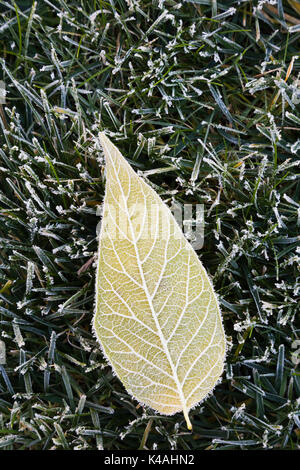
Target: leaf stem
x,y
187,419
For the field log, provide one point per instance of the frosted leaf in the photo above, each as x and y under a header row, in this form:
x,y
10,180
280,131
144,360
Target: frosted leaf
x,y
157,316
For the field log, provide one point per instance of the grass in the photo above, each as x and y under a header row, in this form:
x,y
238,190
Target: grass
x,y
206,94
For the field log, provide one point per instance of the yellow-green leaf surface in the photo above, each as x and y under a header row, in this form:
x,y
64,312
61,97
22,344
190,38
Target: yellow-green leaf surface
x,y
157,317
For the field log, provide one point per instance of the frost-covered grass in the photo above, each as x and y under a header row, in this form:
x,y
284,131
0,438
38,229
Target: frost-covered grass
x,y
205,93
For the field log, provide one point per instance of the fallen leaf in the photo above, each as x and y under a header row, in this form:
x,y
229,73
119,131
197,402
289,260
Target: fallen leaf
x,y
157,316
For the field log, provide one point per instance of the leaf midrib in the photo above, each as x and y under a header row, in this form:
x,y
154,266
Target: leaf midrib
x,y
160,333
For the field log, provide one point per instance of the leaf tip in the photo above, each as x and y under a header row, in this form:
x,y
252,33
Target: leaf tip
x,y
102,138
109,150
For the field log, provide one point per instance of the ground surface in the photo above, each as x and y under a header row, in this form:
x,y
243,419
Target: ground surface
x,y
206,94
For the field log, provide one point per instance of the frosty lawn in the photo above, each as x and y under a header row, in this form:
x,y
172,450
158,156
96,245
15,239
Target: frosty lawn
x,y
203,98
